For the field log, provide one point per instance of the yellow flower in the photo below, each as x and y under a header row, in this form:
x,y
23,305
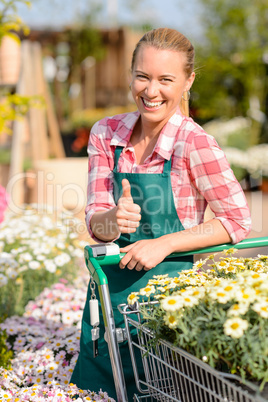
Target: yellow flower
x,y
230,251
230,268
263,257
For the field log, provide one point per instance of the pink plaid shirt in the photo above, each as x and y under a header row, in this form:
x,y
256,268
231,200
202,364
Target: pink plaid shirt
x,y
200,173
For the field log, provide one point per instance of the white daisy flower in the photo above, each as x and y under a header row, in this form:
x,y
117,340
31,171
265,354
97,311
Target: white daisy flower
x,y
40,257
246,295
172,303
132,298
235,327
61,245
62,259
147,291
50,266
237,309
261,308
199,264
3,280
188,300
197,292
68,317
171,320
34,264
25,257
220,295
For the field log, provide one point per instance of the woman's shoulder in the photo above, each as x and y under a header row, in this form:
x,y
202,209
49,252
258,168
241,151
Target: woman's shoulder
x,y
193,134
111,124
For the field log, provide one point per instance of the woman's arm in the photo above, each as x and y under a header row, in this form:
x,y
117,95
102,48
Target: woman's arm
x,y
211,174
146,254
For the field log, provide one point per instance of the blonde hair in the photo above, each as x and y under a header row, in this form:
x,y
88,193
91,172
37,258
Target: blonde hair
x,y
169,39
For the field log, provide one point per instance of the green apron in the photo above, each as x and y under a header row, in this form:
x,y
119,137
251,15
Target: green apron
x,y
153,192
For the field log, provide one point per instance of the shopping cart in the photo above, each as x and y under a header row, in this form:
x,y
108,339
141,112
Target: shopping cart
x,y
170,373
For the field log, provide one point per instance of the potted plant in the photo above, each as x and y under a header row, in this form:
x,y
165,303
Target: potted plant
x,y
218,312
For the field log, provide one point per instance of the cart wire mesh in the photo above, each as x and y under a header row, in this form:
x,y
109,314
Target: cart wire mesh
x,y
172,374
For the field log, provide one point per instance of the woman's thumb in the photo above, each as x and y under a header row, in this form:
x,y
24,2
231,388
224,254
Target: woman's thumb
x,y
126,188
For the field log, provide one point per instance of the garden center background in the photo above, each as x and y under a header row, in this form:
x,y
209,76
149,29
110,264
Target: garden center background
x,y
78,63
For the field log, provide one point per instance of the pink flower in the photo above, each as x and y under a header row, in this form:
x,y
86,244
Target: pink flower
x,y
3,202
59,286
39,345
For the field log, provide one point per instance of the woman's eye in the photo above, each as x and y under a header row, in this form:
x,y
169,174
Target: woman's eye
x,y
167,79
141,76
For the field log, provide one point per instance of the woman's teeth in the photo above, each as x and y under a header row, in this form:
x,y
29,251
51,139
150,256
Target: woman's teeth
x,y
151,104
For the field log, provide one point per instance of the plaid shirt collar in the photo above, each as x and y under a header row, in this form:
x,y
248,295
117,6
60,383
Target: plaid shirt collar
x,y
165,143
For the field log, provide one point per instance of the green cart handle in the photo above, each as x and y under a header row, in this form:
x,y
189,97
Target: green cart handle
x,y
94,264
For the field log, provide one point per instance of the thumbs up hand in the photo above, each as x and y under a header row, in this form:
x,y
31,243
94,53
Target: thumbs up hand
x,y
127,214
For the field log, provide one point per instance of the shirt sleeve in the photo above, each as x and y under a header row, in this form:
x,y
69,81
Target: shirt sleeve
x,y
215,180
100,174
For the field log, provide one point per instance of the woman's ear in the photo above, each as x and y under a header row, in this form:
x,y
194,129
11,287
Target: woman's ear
x,y
190,82
129,79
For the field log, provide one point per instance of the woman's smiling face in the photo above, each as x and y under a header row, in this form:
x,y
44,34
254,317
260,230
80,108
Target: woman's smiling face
x,y
158,83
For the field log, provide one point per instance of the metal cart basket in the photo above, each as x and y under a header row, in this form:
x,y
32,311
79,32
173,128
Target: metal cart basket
x,y
170,373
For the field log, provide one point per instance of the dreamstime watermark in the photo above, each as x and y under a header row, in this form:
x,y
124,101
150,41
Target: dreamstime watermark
x,y
62,201
52,197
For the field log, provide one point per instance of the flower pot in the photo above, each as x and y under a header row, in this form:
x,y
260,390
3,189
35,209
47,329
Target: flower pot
x,y
264,185
10,61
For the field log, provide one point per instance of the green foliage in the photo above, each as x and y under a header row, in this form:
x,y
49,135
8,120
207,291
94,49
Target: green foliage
x,y
5,354
85,40
14,107
37,249
231,61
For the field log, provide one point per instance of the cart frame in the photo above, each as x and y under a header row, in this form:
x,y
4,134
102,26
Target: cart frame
x,y
227,389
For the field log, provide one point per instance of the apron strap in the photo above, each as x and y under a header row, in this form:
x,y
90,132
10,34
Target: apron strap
x,y
117,153
167,166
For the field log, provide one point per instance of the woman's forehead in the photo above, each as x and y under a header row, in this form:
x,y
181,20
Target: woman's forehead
x,y
155,58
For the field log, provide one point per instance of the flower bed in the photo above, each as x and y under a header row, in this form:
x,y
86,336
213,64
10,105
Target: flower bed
x,y
43,284
217,311
37,247
45,341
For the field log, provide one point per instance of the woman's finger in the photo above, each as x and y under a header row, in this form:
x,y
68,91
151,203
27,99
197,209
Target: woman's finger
x,y
139,267
131,265
125,260
130,213
127,223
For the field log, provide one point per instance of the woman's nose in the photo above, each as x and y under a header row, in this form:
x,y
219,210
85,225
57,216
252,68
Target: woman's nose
x,y
152,88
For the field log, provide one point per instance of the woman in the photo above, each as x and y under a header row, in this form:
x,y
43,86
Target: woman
x,y
151,175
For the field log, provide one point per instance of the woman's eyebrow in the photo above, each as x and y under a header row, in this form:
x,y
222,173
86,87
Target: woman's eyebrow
x,y
168,75
162,75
